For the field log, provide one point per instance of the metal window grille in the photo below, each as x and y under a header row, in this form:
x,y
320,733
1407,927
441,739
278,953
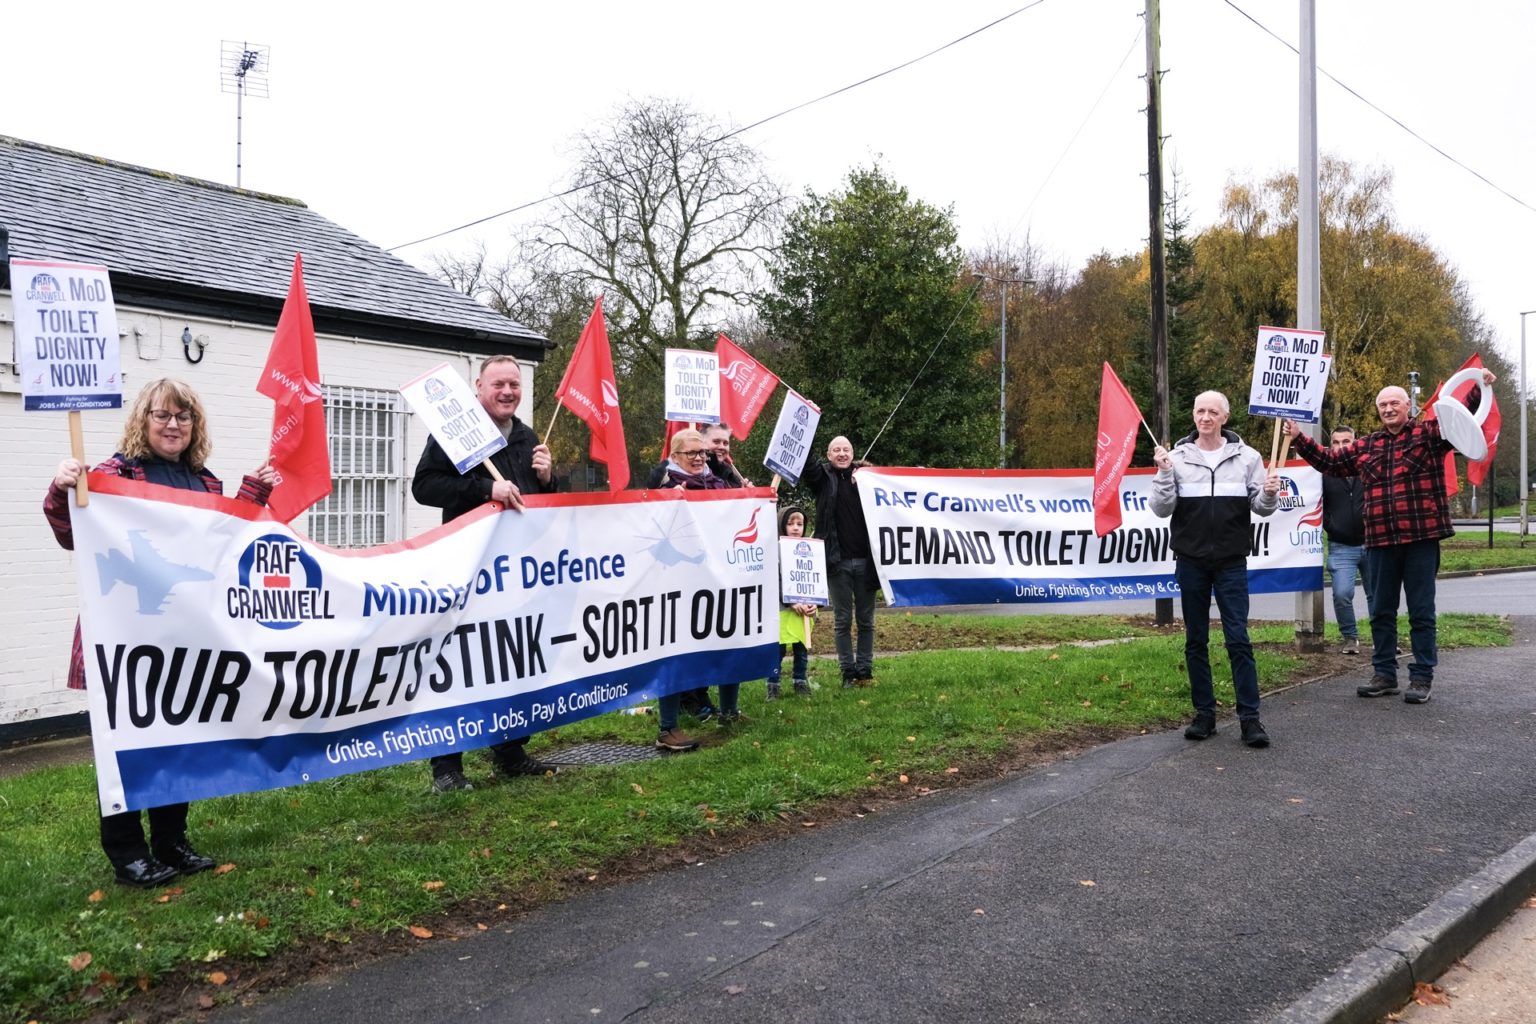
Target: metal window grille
x,y
365,428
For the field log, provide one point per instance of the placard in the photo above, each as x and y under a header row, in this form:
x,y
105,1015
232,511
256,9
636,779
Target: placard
x,y
792,436
66,336
1290,372
803,571
453,413
693,386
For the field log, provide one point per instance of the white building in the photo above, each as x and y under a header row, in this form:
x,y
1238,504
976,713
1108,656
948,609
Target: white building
x,y
199,273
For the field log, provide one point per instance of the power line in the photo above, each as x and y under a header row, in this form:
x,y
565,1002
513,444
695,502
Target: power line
x,y
1476,174
732,134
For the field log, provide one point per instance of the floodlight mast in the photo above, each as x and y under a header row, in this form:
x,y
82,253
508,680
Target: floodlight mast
x,y
243,69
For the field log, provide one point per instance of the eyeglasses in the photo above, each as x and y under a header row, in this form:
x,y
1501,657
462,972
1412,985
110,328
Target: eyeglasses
x,y
165,416
693,455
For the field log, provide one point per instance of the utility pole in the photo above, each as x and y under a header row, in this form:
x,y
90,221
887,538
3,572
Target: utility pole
x,y
1309,606
1164,605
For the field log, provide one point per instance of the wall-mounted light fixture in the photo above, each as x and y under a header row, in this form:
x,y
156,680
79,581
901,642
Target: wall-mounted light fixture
x,y
187,341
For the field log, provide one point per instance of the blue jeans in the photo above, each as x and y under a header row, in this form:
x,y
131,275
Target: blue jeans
x,y
1395,571
801,663
1196,585
1343,561
853,604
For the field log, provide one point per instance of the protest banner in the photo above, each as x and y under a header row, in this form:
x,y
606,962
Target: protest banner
x,y
792,437
453,414
1290,373
984,537
803,568
226,653
693,386
66,336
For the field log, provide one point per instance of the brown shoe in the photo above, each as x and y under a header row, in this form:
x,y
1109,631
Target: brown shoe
x,y
676,740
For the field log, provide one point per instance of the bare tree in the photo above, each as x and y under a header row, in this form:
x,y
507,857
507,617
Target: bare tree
x,y
671,218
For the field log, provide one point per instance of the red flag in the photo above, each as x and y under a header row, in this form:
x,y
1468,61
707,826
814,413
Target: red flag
x,y
1477,472
673,426
291,379
589,390
745,386
1118,419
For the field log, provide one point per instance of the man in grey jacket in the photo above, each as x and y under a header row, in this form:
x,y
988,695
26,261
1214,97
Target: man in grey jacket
x,y
1210,483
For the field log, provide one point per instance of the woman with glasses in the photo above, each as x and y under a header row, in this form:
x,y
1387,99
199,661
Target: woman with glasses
x,y
165,441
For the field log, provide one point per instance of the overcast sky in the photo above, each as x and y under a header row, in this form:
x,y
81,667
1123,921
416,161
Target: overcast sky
x,y
399,125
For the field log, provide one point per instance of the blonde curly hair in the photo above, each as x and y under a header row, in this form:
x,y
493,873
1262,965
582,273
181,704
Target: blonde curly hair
x,y
165,393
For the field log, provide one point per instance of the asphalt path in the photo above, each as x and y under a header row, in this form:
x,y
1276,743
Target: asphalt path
x,y
1152,879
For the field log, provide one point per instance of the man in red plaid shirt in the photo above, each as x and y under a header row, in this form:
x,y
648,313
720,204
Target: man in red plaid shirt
x,y
1407,513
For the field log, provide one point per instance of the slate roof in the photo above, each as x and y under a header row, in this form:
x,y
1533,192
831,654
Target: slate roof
x,y
198,246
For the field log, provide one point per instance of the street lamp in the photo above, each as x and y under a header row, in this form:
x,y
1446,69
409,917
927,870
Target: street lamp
x,y
1525,483
1002,361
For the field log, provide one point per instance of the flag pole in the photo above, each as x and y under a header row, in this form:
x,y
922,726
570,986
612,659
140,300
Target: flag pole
x,y
551,425
1155,442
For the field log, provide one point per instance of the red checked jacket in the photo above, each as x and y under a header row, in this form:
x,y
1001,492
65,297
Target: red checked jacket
x,y
1404,479
56,509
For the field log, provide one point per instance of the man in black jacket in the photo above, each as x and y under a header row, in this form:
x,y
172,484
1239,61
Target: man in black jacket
x,y
526,466
1344,522
851,576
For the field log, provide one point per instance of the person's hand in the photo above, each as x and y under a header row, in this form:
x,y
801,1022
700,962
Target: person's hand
x,y
506,492
1161,457
1291,427
804,609
543,464
1488,377
1272,482
266,474
68,473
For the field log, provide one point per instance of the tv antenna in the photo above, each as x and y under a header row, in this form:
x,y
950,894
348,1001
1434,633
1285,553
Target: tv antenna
x,y
243,70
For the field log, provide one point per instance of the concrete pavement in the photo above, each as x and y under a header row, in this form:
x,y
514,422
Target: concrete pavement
x,y
1152,879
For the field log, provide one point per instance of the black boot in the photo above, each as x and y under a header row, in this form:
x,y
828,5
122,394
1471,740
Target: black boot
x,y
1202,728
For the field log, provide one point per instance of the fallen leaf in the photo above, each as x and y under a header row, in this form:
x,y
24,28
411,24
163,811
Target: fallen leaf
x,y
142,982
223,869
978,911
591,878
212,955
1295,800
735,990
107,978
903,779
432,886
554,824
1428,994
911,739
205,1002
262,922
420,932
637,788
96,897
807,824
356,903
501,906
482,927
1087,703
1054,657
1090,883
951,771
80,961
217,978
309,890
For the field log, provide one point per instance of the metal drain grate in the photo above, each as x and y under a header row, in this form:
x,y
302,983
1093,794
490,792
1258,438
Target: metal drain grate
x,y
599,753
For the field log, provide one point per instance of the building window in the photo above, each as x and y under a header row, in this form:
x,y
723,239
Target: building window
x,y
364,428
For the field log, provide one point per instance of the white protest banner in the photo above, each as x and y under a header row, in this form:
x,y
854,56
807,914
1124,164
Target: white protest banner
x,y
450,410
693,386
226,653
66,336
803,568
989,537
1290,372
792,436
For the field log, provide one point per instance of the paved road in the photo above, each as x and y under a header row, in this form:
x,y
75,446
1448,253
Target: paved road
x,y
1152,879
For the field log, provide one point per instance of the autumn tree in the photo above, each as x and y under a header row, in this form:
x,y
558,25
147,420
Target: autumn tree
x,y
867,301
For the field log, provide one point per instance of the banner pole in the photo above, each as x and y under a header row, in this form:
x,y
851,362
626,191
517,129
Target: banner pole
x,y
1155,442
551,425
77,449
774,483
1274,448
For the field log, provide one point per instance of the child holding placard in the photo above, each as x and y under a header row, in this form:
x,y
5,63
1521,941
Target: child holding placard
x,y
794,619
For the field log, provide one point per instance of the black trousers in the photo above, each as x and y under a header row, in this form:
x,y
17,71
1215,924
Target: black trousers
x,y
512,750
122,835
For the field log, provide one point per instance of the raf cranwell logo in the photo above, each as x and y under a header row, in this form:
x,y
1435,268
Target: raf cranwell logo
x,y
1277,343
44,288
280,584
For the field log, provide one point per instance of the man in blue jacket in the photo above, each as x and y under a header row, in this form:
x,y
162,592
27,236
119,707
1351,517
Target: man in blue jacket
x,y
1211,483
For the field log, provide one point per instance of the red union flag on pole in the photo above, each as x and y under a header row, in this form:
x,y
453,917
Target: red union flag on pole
x,y
589,390
1118,419
745,386
291,379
